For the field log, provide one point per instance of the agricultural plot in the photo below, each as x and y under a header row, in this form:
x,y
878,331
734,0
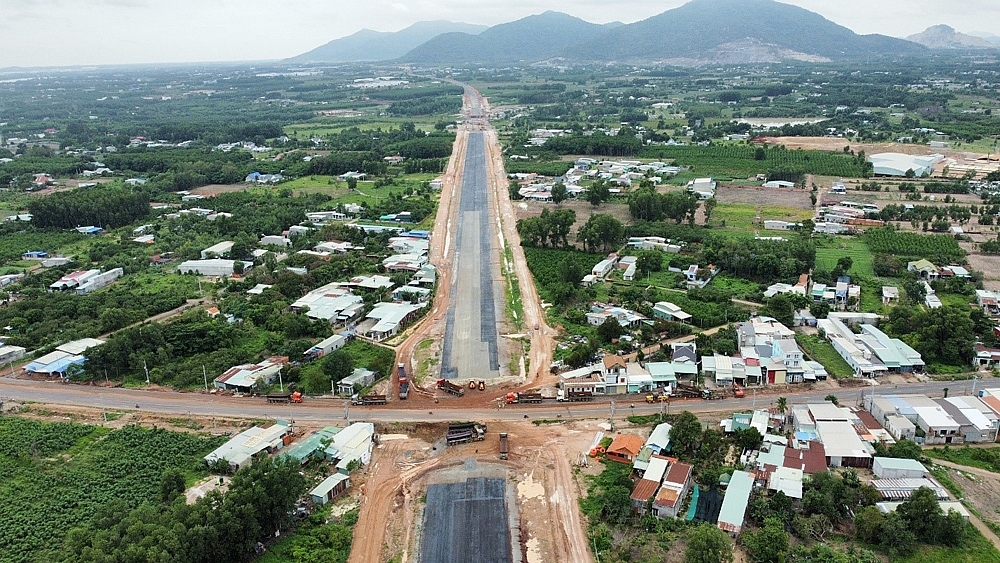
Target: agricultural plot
x,y
902,244
742,218
829,250
57,475
742,161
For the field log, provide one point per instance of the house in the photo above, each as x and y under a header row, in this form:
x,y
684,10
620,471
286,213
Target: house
x,y
788,480
389,318
624,448
629,274
600,312
330,488
35,255
275,240
215,267
312,446
352,447
359,377
604,267
924,269
642,494
245,377
890,295
896,468
615,374
670,312
241,449
91,230
844,448
989,301
331,303
73,280
734,504
901,489
219,250
674,489
100,280
325,346
10,354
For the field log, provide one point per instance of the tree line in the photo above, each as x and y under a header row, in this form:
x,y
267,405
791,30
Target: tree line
x,y
108,208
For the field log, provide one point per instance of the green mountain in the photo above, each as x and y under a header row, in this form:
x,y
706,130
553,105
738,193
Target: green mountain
x,y
529,39
368,45
736,31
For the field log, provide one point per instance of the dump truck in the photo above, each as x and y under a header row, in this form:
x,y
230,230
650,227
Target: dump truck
x,y
503,445
404,383
450,387
712,394
687,391
462,432
295,397
526,397
575,396
737,391
368,399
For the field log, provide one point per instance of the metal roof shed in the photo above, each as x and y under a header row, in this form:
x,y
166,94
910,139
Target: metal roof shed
x,y
734,504
894,468
331,487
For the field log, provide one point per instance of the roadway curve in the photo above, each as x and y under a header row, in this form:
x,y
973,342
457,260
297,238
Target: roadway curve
x,y
328,411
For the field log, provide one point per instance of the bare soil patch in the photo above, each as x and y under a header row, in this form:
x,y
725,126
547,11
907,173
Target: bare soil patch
x,y
582,208
212,190
758,195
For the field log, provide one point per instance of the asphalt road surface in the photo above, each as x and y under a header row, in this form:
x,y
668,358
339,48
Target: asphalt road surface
x,y
470,350
466,522
327,411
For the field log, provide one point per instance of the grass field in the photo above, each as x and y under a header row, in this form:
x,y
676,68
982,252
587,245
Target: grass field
x,y
983,458
744,218
829,250
365,193
975,549
822,351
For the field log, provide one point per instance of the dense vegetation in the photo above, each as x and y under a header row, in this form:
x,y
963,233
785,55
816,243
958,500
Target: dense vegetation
x,y
57,475
937,248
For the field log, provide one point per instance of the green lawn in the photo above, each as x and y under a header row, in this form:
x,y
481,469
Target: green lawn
x,y
365,193
744,217
822,351
831,249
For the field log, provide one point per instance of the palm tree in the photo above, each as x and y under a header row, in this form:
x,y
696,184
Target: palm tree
x,y
782,407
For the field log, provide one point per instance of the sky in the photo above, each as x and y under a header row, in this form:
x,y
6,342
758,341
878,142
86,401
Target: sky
x,y
95,32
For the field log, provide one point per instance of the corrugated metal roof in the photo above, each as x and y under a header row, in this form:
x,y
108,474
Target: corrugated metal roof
x,y
644,490
734,504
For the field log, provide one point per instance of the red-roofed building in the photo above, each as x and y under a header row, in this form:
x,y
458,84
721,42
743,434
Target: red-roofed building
x,y
809,460
675,488
642,494
624,448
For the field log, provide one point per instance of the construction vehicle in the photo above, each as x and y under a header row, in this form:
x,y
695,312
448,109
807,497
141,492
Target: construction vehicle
x,y
712,394
737,391
462,432
657,398
503,445
526,397
368,399
482,385
404,383
472,384
687,391
450,387
295,397
575,396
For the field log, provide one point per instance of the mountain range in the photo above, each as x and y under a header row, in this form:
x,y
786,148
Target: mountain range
x,y
701,32
368,45
945,37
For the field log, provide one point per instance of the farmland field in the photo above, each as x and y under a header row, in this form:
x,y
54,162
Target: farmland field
x,y
56,475
740,161
938,248
828,251
743,217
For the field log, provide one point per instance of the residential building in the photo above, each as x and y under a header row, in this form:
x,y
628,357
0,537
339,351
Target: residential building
x,y
675,487
359,377
734,504
241,449
642,495
331,302
624,448
330,488
100,280
214,267
218,250
10,354
896,468
615,374
275,240
352,447
245,377
890,295
325,346
604,267
925,269
670,312
388,319
600,312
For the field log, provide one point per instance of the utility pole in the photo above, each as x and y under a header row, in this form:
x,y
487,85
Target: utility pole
x,y
975,378
281,384
145,369
611,419
204,374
